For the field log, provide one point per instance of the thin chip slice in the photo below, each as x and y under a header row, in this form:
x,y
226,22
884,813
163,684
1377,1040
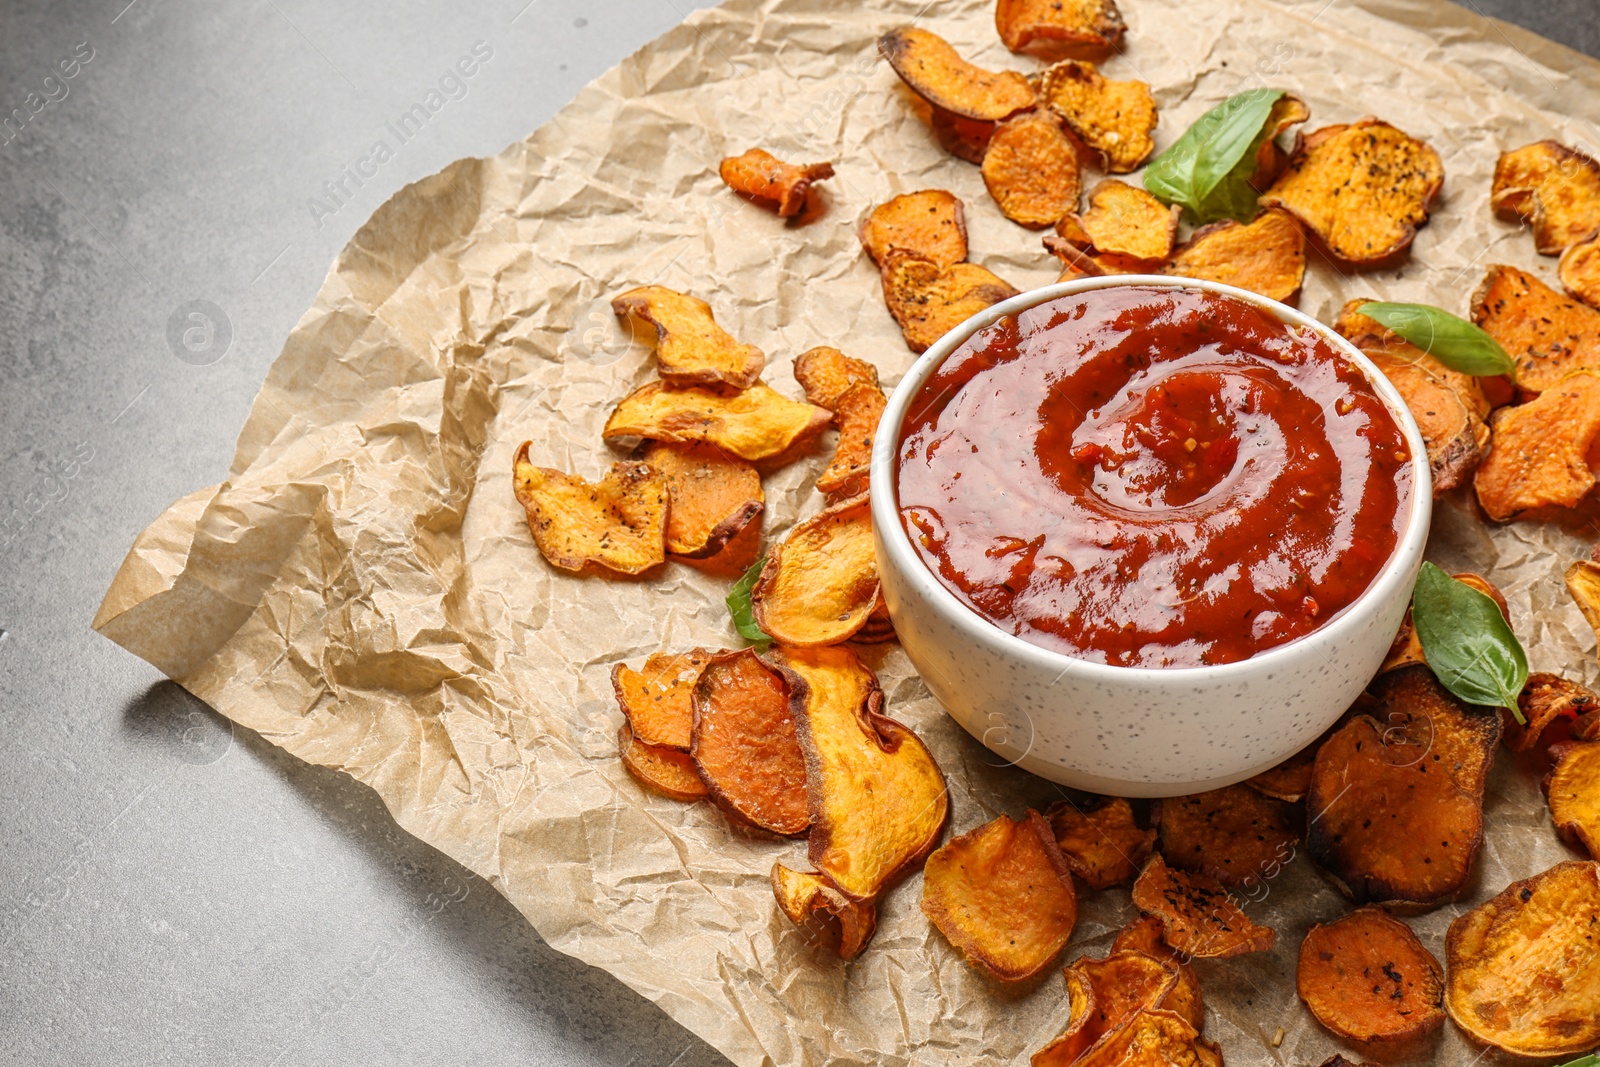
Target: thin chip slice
x,y
1287,112
1583,583
1115,119
1104,847
1459,738
1146,934
1078,261
1554,187
617,523
825,373
804,895
1052,24
744,744
665,770
930,224
762,176
1539,454
879,626
1580,271
691,348
1235,834
1367,978
857,411
1572,789
1124,220
1031,169
713,496
1105,994
1153,1038
963,138
1363,189
1523,970
1548,335
1268,256
820,583
753,424
1199,917
1544,699
1290,780
934,70
655,699
928,301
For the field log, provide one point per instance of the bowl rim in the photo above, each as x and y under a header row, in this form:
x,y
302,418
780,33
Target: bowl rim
x,y
892,538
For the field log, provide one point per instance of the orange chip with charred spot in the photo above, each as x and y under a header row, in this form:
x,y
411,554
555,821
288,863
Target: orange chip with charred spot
x,y
930,224
1106,993
1546,334
1553,187
1544,699
825,373
934,70
1031,169
665,770
1117,119
755,423
804,895
1199,917
1367,978
713,496
690,347
1268,256
928,301
744,744
1104,847
1572,789
655,700
1538,456
820,583
1235,834
617,523
1052,24
1124,220
760,175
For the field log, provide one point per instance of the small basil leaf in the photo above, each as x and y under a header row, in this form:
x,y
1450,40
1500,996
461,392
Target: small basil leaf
x,y
1208,169
1467,641
741,607
1591,1060
1456,343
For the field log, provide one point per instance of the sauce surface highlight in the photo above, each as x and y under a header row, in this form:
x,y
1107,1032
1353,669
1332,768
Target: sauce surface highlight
x,y
1152,477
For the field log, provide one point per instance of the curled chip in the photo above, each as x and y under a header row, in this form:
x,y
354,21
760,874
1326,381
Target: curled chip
x,y
1548,335
1052,24
1583,583
1368,978
1544,699
878,800
1406,648
1538,457
753,424
857,411
1287,111
1553,187
760,175
1235,834
690,347
825,373
1031,169
934,71
1198,916
1580,271
1114,118
928,301
617,522
1145,935
930,224
713,496
744,744
1105,995
879,626
1523,970
805,894
963,138
1159,1038
1268,256
1573,790
655,700
1290,780
1003,896
1363,189
1079,261
820,583
1105,846
665,770
1124,220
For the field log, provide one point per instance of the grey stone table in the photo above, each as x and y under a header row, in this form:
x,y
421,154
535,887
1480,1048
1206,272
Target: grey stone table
x,y
173,890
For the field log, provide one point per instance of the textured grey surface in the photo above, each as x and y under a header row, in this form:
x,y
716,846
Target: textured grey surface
x,y
172,890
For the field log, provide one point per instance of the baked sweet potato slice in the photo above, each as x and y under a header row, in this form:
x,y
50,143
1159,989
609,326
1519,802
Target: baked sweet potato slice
x,y
1363,189
1458,738
804,895
1523,970
1553,187
1580,271
1103,846
664,770
1367,978
1288,111
617,523
825,373
1031,169
1124,220
744,744
1054,24
1105,994
934,70
1583,583
655,699
1572,789
1145,934
1547,335
820,583
857,411
713,496
1157,1038
1539,454
1117,119
755,423
1267,256
877,797
1199,917
1544,699
760,175
1290,780
1235,834
1003,896
691,349
1079,260
928,301
930,224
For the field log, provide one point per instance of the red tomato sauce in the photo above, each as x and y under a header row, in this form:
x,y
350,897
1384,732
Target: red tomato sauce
x,y
1152,477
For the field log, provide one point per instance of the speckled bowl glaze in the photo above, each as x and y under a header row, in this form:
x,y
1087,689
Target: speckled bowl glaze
x,y
1129,731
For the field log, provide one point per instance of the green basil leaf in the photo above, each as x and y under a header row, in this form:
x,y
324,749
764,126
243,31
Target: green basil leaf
x,y
1456,343
1208,169
741,608
1591,1060
1467,641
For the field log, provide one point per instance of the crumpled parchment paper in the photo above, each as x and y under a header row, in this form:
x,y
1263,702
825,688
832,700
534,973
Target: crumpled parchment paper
x,y
363,590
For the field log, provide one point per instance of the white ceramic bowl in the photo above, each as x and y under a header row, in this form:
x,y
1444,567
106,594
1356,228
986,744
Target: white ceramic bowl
x,y
1132,731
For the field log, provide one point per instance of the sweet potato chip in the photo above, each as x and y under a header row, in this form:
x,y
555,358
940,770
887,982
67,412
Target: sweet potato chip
x,y
934,71
820,583
878,627
1523,970
928,301
1104,847
804,895
1235,834
1031,169
1583,583
1338,1060
1554,187
1548,335
1573,790
712,494
761,176
1287,112
1115,119
930,224
1290,780
617,522
1105,994
1580,271
1268,256
665,770
744,744
1124,220
1459,738
1544,699
1145,934
1092,24
825,373
691,349
1199,917
857,411
1003,896
963,138
878,800
753,424
1156,1038
1368,978
655,700
1539,454
1363,189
